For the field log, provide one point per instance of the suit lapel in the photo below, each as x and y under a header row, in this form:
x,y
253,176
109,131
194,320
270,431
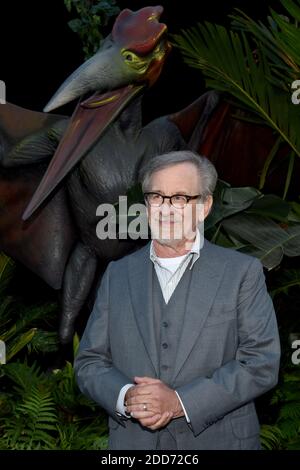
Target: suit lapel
x,y
140,285
204,285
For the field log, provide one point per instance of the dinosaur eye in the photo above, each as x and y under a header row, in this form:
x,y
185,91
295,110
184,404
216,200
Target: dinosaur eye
x,y
134,62
129,56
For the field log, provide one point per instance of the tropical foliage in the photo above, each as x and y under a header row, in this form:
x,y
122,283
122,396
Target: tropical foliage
x,y
22,325
284,432
92,17
45,410
254,65
41,406
264,226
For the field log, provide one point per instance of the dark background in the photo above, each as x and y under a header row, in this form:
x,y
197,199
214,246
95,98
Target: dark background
x,y
39,50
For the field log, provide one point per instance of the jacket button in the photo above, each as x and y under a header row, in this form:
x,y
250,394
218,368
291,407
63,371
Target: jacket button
x,y
164,367
165,324
164,345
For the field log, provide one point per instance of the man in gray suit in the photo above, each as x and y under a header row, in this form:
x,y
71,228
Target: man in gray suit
x,y
183,335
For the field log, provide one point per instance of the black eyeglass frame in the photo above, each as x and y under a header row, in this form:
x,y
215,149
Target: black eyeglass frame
x,y
186,196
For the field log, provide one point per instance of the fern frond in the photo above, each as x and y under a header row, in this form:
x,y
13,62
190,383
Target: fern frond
x,y
35,423
24,376
289,429
271,437
290,411
7,268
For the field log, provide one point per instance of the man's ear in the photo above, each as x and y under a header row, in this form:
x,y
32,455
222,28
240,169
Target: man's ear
x,y
208,205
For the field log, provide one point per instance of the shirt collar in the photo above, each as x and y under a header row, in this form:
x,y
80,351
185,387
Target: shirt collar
x,y
194,251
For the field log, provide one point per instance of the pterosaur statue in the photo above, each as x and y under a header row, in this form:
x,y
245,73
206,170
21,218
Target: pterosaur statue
x,y
55,170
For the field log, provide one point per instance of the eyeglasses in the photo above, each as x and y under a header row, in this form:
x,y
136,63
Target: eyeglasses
x,y
179,201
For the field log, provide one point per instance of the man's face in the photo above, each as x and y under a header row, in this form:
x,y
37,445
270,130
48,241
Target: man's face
x,y
170,225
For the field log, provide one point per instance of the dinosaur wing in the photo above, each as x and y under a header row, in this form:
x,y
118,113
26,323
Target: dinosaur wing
x,y
236,142
44,242
192,120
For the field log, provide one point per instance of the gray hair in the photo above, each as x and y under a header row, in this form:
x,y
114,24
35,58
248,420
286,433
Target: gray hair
x,y
207,172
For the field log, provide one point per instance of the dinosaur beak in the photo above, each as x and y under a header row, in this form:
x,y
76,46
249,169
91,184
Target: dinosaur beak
x,y
102,72
88,122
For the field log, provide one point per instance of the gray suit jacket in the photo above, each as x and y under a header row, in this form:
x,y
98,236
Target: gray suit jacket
x,y
227,356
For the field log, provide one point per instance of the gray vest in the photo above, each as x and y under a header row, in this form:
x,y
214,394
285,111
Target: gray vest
x,y
168,321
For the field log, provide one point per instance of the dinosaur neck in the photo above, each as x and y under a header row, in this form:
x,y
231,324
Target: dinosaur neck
x,y
130,119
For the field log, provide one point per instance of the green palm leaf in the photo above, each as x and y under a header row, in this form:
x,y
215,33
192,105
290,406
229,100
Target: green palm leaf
x,y
280,41
228,64
288,34
7,267
19,343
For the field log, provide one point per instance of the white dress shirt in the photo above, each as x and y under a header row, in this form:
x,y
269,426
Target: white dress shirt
x,y
169,272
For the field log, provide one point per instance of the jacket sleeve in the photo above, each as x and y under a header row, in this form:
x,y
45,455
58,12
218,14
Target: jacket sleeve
x,y
255,368
95,373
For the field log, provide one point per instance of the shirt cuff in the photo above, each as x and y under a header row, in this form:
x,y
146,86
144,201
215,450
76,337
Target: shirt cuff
x,y
184,410
120,408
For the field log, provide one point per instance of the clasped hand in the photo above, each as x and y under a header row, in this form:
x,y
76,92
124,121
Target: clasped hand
x,y
152,403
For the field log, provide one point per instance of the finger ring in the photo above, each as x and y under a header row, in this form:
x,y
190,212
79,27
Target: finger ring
x,y
144,407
